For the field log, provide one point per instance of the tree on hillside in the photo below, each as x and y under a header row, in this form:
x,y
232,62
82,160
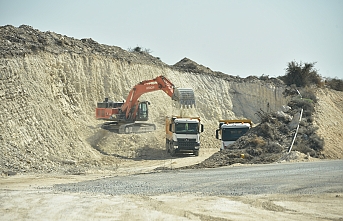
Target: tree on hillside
x,y
301,74
140,50
335,83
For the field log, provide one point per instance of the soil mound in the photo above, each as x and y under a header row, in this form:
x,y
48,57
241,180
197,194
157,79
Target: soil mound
x,y
26,40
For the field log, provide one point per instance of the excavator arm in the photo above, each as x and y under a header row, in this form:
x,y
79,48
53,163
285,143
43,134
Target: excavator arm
x,y
183,96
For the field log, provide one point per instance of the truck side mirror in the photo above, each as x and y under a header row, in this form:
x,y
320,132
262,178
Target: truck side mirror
x,y
202,128
217,133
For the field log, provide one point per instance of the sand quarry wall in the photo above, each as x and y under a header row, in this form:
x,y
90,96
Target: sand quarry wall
x,y
329,120
48,105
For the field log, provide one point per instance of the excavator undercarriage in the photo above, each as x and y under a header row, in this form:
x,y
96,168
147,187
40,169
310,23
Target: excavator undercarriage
x,y
127,128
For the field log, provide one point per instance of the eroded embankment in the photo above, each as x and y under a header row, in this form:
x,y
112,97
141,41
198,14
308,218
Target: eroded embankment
x,y
48,99
48,105
329,120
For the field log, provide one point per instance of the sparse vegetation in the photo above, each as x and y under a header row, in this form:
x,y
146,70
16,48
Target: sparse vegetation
x,y
301,75
306,104
307,141
308,93
335,84
305,99
264,77
139,49
311,144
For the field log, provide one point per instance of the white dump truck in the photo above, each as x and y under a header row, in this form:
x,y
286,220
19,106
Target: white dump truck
x,y
183,135
230,130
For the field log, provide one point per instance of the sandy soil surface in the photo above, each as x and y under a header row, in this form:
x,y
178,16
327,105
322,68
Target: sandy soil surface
x,y
31,197
42,204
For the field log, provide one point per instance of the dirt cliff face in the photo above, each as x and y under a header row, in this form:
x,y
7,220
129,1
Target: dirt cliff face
x,y
50,85
329,120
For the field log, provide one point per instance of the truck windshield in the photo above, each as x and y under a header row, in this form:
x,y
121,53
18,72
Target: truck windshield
x,y
232,134
186,128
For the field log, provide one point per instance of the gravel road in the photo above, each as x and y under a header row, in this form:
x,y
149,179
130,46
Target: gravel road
x,y
297,178
285,191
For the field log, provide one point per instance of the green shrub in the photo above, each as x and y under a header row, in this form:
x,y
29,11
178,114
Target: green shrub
x,y
139,49
316,143
301,74
304,148
336,84
306,104
308,93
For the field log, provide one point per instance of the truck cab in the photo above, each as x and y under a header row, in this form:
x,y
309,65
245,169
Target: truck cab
x,y
183,135
230,130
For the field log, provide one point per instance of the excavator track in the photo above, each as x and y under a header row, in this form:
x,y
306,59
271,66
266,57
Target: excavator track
x,y
129,128
111,126
136,128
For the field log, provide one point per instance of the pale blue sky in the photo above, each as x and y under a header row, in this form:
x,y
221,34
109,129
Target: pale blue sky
x,y
242,37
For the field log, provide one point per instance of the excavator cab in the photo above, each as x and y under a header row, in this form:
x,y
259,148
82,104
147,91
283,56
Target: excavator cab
x,y
142,113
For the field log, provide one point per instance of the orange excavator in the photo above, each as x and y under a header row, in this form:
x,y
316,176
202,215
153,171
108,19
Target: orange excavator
x,y
129,116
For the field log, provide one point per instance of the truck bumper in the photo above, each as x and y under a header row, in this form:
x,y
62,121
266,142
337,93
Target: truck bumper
x,y
186,148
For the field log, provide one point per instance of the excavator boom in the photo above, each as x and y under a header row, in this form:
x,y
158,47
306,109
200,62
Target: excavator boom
x,y
184,96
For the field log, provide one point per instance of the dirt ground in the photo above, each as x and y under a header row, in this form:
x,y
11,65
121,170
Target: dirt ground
x,y
30,197
32,204
26,203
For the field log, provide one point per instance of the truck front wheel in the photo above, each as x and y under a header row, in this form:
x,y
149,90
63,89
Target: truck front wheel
x,y
167,146
172,151
196,153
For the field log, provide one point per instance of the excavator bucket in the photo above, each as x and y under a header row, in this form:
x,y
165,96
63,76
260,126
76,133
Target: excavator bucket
x,y
185,96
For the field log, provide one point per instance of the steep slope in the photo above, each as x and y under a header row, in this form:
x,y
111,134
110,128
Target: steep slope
x,y
329,119
50,85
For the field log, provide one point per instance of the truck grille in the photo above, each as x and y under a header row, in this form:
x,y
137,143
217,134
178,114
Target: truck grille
x,y
186,143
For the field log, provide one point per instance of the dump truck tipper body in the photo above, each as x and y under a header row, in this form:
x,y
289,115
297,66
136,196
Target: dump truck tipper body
x,y
183,135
